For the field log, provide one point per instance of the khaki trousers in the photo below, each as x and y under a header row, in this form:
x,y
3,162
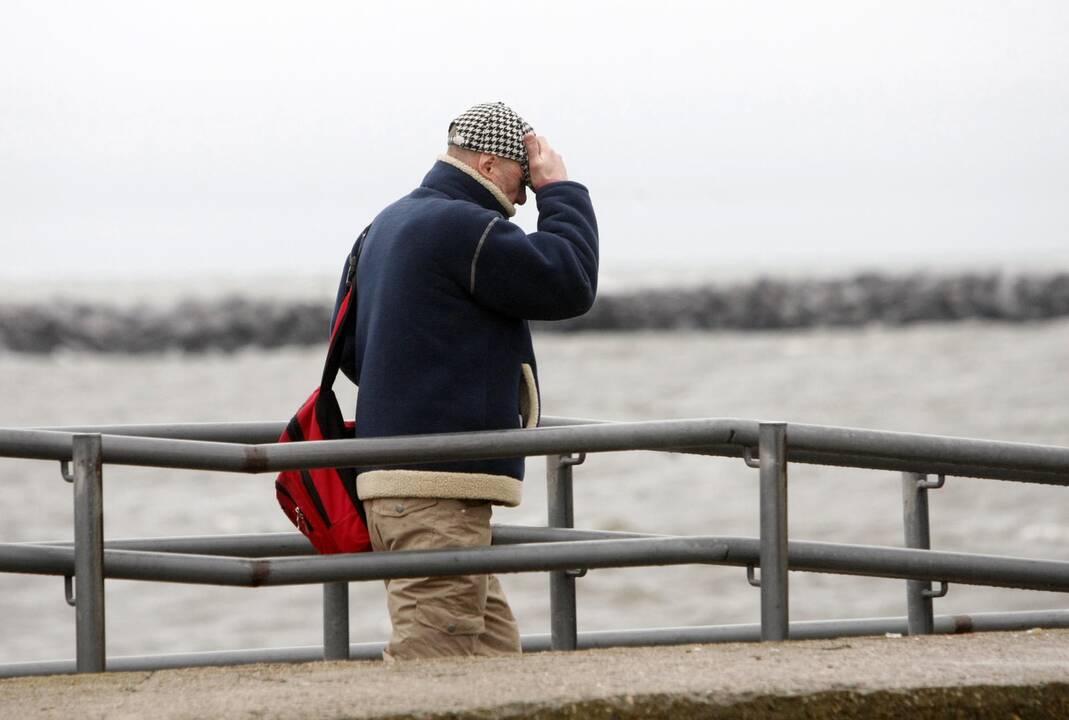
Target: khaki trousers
x,y
441,616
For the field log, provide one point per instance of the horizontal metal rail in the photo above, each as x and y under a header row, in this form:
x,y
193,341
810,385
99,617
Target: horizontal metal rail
x,y
254,432
862,560
801,630
811,444
237,457
293,543
245,545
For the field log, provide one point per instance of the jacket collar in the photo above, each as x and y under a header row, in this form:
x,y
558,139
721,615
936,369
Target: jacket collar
x,y
462,182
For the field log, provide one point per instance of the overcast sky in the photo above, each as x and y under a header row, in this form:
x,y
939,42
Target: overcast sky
x,y
144,139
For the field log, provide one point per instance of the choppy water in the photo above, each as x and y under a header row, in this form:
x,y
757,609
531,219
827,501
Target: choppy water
x,y
1004,382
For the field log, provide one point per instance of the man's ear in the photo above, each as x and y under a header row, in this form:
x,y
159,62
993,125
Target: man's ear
x,y
486,164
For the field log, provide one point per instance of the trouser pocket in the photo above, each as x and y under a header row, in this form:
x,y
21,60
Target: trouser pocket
x,y
454,621
436,617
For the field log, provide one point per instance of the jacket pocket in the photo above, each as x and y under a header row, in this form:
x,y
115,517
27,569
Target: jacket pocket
x,y
529,406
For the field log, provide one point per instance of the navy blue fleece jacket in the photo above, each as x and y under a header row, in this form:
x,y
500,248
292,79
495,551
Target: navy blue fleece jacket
x,y
445,286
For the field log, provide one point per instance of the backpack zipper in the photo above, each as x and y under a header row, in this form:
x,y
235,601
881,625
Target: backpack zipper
x,y
297,435
310,487
302,519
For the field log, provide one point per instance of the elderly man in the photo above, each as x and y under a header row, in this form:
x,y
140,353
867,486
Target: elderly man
x,y
445,287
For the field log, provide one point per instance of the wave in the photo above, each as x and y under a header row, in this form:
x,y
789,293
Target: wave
x,y
234,323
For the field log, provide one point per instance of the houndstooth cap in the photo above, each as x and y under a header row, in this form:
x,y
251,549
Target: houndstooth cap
x,y
493,128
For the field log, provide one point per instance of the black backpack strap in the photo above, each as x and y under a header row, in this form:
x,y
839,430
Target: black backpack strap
x,y
345,319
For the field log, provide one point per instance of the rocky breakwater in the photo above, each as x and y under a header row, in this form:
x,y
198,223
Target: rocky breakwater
x,y
776,304
189,326
764,304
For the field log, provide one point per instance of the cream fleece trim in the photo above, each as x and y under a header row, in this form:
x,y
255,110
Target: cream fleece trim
x,y
509,208
528,397
498,489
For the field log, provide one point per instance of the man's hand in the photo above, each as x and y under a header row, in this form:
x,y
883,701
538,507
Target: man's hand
x,y
546,164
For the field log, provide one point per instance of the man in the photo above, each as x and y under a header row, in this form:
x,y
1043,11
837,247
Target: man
x,y
445,286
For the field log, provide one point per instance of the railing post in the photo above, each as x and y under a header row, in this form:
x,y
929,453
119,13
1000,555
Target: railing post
x,y
920,620
562,620
336,621
772,445
88,553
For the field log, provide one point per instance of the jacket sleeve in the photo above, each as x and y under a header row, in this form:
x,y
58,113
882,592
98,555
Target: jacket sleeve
x,y
550,274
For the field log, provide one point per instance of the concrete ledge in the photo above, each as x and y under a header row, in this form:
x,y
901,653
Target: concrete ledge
x,y
978,676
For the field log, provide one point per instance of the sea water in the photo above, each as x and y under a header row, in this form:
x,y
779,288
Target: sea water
x,y
1004,382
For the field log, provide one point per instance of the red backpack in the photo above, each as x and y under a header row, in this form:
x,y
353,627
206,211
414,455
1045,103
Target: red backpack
x,y
322,502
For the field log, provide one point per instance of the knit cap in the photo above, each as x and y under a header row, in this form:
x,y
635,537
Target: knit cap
x,y
493,128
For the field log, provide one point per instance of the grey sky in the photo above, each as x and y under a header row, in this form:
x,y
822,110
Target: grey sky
x,y
140,139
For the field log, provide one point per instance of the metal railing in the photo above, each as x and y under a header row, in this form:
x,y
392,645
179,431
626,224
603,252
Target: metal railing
x,y
565,553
